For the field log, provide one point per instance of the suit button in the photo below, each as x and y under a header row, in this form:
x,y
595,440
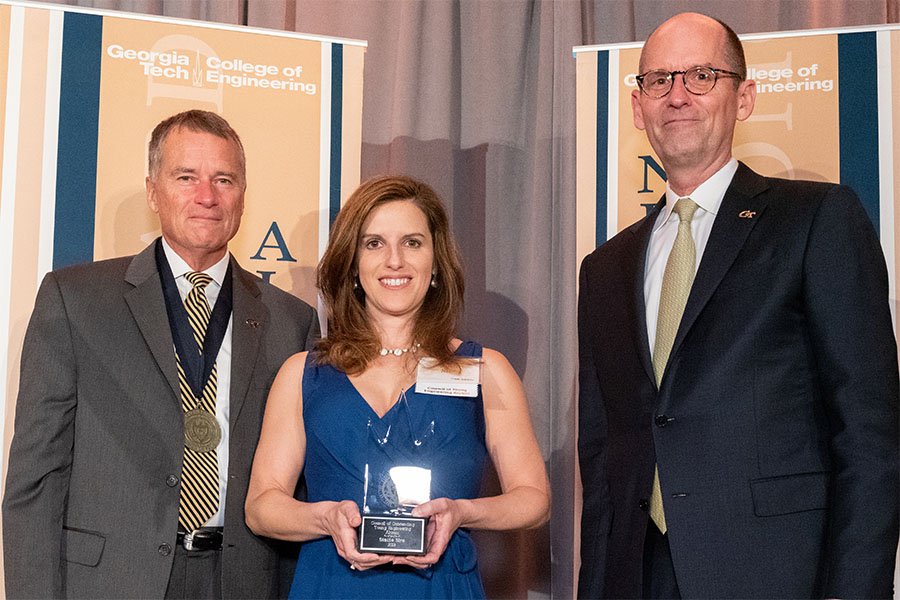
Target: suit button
x,y
171,481
662,420
164,549
644,504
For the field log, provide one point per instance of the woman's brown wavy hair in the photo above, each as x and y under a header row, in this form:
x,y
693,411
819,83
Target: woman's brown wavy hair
x,y
351,341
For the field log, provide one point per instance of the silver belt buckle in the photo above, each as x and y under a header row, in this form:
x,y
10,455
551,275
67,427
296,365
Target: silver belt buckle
x,y
188,541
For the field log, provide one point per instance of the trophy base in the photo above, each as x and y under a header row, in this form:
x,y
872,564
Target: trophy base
x,y
391,534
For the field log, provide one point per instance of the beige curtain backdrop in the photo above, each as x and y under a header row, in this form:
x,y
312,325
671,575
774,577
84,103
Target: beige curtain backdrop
x,y
477,97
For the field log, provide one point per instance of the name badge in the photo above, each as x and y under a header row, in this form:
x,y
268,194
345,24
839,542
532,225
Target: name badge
x,y
432,379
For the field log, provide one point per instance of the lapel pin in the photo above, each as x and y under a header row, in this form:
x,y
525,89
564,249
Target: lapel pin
x,y
747,214
252,323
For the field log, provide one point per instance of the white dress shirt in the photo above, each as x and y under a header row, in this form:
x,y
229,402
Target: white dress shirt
x,y
708,197
223,361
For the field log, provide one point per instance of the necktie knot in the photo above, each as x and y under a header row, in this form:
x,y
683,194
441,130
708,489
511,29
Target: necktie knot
x,y
685,209
198,278
197,305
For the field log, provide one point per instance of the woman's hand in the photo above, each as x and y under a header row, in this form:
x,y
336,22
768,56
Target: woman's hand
x,y
446,516
340,520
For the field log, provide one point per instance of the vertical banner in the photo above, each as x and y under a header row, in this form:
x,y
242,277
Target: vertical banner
x,y
80,93
824,111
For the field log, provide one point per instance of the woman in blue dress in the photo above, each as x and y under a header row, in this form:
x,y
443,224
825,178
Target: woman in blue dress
x,y
391,384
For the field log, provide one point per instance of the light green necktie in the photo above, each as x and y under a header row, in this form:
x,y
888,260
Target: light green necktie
x,y
676,286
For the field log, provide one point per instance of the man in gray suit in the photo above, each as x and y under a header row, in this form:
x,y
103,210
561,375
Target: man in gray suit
x,y
143,386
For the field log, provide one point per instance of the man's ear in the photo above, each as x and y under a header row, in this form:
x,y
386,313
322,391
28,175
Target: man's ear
x,y
746,99
636,111
151,195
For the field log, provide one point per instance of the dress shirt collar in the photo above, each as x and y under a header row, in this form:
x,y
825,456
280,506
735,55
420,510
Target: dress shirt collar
x,y
708,194
180,268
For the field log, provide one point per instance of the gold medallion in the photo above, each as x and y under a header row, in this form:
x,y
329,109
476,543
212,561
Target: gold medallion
x,y
201,430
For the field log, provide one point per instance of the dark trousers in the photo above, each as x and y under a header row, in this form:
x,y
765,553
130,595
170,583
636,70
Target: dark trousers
x,y
195,575
659,572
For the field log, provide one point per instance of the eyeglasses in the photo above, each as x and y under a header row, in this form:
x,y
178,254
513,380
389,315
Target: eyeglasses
x,y
697,80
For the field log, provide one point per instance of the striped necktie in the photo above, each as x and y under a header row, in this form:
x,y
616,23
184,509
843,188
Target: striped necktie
x,y
676,286
200,472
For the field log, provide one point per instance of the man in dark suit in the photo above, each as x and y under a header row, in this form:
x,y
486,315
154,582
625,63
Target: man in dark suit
x,y
738,343
129,465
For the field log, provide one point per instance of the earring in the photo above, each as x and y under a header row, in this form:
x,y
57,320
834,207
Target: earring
x,y
356,282
434,282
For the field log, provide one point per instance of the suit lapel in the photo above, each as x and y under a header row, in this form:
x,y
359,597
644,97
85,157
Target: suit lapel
x,y
740,211
249,322
148,307
642,231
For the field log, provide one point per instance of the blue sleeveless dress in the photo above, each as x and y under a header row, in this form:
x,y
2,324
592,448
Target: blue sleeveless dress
x,y
335,417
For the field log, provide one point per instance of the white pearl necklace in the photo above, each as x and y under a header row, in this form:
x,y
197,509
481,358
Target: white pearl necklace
x,y
398,351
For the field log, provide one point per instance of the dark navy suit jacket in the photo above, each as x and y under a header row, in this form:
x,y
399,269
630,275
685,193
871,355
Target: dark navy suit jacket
x,y
775,426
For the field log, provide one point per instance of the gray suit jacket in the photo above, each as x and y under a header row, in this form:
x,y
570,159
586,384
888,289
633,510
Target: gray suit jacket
x,y
92,491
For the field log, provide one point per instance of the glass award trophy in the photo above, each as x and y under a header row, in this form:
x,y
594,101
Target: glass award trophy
x,y
397,478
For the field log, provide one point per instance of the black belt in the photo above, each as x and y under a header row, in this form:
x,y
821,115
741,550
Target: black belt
x,y
205,538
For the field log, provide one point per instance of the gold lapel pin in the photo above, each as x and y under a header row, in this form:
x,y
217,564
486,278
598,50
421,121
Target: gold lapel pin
x,y
747,214
252,323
